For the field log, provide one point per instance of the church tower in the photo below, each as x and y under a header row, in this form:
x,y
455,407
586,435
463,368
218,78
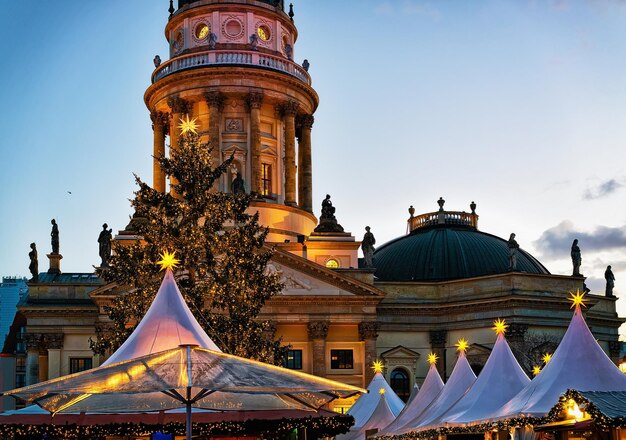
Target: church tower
x,y
231,66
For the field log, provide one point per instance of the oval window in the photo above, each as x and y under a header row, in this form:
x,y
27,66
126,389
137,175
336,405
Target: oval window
x,y
233,28
202,31
264,33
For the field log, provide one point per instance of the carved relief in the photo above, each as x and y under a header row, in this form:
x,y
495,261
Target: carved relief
x,y
318,329
234,125
233,27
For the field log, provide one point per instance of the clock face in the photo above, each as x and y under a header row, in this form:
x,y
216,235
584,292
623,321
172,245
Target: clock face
x,y
202,31
263,32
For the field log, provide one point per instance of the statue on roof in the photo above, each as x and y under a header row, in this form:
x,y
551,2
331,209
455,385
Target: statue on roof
x,y
513,250
441,202
212,40
104,241
33,267
306,65
576,259
54,237
157,61
367,246
610,281
328,222
238,185
254,41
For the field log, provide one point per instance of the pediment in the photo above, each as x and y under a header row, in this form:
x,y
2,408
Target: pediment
x,y
400,352
266,149
234,149
298,283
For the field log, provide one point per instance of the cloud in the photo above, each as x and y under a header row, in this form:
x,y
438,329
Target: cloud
x,y
602,190
557,241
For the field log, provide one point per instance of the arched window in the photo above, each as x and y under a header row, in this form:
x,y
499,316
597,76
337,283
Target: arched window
x,y
401,384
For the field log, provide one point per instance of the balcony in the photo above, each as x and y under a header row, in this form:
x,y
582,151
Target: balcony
x,y
458,218
231,58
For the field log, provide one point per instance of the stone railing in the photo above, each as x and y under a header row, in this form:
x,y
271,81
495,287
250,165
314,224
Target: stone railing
x,y
443,218
231,57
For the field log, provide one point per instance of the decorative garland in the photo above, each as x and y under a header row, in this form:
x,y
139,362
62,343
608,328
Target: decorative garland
x,y
316,427
602,422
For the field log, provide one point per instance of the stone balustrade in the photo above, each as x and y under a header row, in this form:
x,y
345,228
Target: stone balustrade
x,y
460,218
231,57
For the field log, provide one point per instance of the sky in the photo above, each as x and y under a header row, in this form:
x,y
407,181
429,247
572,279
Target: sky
x,y
516,105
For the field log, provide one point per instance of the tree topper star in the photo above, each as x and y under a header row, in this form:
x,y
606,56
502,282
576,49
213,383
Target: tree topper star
x,y
188,125
462,345
168,261
432,358
377,366
536,370
499,326
577,299
546,358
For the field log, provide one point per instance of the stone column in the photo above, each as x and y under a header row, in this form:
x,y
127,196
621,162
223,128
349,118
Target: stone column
x,y
318,330
179,108
368,332
32,341
438,346
254,101
290,109
615,348
215,102
305,170
160,121
55,344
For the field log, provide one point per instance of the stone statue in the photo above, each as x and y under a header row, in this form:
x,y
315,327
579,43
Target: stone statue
x,y
513,250
473,207
33,267
441,202
238,185
289,51
610,281
54,234
212,40
156,61
306,65
576,259
367,246
254,41
328,222
104,240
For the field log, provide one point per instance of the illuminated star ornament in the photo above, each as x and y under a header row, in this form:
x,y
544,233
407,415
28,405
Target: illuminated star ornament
x,y
377,366
188,125
381,391
577,299
546,358
499,326
536,370
168,261
462,345
432,358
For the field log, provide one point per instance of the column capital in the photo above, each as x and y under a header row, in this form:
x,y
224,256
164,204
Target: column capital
x,y
54,340
306,121
318,329
289,108
32,341
516,332
215,99
179,105
368,330
438,337
254,100
159,118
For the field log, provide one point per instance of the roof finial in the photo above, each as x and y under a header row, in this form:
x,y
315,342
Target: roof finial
x,y
473,207
171,9
411,211
441,202
291,14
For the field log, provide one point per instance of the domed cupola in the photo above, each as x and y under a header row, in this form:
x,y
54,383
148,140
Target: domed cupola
x,y
447,245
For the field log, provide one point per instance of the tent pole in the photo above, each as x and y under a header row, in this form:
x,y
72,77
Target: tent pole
x,y
188,420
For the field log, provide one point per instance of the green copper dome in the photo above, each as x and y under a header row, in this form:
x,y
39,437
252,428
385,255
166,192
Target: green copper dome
x,y
448,252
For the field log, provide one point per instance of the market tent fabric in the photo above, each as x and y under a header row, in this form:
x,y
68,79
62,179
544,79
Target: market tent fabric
x,y
412,396
366,404
460,380
578,363
380,418
167,324
611,404
500,379
431,387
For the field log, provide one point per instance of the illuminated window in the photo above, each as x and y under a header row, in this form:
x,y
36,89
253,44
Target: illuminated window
x,y
293,360
264,32
341,360
400,384
332,264
79,364
202,31
266,179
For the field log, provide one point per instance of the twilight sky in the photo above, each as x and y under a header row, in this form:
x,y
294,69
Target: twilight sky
x,y
518,105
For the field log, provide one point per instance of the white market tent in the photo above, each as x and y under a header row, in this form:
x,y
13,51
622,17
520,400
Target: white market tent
x,y
364,407
380,418
460,380
431,387
578,363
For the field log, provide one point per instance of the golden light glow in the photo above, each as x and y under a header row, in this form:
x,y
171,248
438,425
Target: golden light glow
x,y
577,299
188,125
574,412
536,370
499,326
377,366
546,358
332,264
462,345
168,261
622,367
263,32
432,358
381,391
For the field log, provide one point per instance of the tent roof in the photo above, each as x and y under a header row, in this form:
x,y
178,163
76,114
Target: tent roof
x,y
610,403
500,379
578,363
431,387
460,380
366,404
167,324
380,418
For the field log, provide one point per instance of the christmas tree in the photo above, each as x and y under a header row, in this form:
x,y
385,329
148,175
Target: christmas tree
x,y
222,268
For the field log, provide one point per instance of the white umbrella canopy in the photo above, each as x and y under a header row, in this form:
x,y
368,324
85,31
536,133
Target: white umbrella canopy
x,y
431,388
366,404
578,363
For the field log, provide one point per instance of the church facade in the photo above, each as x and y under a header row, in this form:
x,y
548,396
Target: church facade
x,y
232,68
